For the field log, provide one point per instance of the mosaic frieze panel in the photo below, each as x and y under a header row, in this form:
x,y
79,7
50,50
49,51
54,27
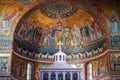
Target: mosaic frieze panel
x,y
115,62
100,67
4,65
19,68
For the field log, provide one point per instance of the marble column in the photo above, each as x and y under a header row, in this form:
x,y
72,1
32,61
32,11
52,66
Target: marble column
x,y
64,76
56,75
41,77
49,75
78,73
71,76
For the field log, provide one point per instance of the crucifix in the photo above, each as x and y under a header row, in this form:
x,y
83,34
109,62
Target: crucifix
x,y
60,45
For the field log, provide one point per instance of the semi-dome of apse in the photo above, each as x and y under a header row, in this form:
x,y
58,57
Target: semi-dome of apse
x,y
77,26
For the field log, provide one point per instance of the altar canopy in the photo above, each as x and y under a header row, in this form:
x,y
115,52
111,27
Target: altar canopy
x,y
60,69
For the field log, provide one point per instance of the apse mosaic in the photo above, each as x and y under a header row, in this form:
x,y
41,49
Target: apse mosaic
x,y
78,32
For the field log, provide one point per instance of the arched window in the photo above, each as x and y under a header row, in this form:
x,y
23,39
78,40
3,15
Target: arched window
x,y
59,57
63,58
67,76
60,76
53,76
89,71
29,71
56,58
45,76
75,76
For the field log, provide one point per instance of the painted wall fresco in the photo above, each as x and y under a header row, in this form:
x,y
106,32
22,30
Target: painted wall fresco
x,y
115,62
100,67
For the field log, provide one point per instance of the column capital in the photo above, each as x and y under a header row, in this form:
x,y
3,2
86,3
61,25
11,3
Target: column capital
x,y
64,72
56,72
